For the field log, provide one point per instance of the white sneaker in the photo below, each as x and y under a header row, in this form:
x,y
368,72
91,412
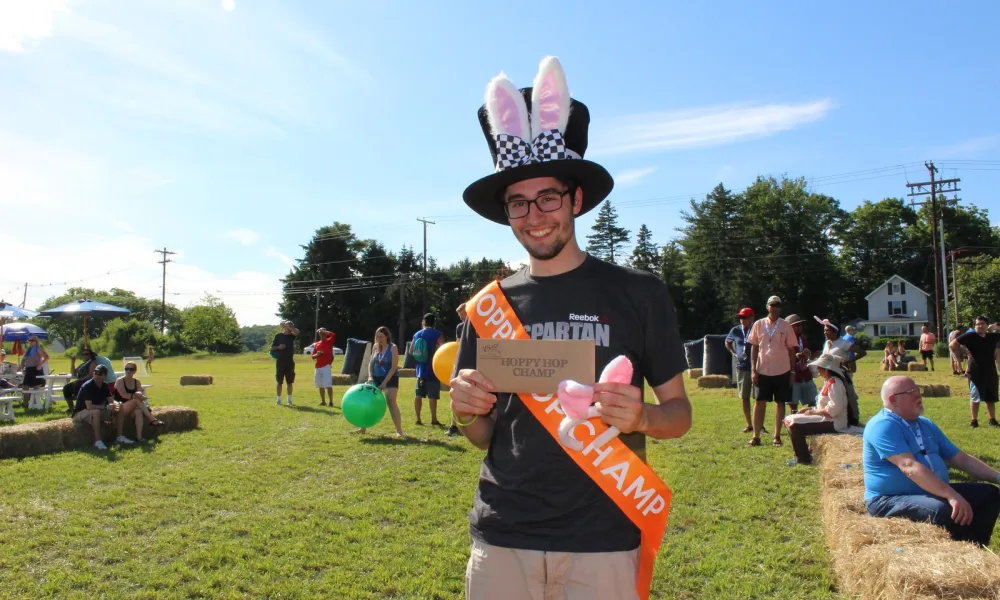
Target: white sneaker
x,y
278,401
123,440
289,403
100,445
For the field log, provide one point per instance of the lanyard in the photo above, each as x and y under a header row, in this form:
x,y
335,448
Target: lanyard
x,y
770,330
917,432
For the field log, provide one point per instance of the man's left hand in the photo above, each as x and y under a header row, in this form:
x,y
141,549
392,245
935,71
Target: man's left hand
x,y
620,405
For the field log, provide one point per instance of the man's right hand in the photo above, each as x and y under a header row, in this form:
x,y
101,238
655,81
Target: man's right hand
x,y
281,347
470,394
961,511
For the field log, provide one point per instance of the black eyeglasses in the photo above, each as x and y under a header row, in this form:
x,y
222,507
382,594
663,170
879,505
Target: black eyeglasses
x,y
547,202
129,369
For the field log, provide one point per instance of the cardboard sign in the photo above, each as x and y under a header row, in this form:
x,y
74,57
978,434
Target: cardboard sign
x,y
535,366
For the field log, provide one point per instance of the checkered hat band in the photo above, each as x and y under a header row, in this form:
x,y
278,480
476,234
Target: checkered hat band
x,y
513,152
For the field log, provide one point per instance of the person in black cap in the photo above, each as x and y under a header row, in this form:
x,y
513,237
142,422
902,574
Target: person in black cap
x,y
540,525
425,344
95,404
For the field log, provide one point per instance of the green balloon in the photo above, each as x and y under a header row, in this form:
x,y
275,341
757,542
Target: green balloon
x,y
363,405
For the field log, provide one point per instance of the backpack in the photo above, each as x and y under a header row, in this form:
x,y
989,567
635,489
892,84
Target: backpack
x,y
419,351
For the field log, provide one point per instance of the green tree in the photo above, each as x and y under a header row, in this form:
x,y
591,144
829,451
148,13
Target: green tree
x,y
127,337
69,330
645,254
672,273
608,240
212,326
978,291
257,337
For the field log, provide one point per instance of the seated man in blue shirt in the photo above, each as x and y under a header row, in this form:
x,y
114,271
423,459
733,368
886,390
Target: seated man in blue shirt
x,y
95,404
906,459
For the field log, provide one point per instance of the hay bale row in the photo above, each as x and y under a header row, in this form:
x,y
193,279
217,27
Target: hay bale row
x,y
713,381
407,372
196,380
934,390
892,559
695,373
344,379
33,439
915,366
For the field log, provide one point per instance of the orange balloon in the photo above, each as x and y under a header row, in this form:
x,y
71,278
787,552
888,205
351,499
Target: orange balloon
x,y
444,361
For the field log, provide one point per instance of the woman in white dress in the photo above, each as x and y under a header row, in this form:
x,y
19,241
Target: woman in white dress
x,y
830,413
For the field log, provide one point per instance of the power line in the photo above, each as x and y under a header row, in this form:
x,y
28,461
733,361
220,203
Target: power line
x,y
163,298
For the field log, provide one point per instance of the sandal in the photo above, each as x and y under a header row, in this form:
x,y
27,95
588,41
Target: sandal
x,y
754,442
157,423
776,443
748,429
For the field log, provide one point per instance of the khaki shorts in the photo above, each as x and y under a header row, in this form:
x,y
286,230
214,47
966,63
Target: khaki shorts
x,y
84,415
495,573
744,384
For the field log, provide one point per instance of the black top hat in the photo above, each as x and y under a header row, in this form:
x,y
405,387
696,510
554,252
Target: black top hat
x,y
549,143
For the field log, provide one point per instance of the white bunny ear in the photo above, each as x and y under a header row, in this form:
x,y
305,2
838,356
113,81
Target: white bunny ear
x,y
550,99
508,114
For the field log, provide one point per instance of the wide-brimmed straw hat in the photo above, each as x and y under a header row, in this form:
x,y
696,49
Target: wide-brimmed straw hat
x,y
794,319
828,362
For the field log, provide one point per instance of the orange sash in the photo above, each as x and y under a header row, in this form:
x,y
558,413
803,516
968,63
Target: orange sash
x,y
622,475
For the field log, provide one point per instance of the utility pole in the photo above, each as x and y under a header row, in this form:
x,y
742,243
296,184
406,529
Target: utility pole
x,y
424,304
402,313
936,187
25,299
944,272
316,320
163,303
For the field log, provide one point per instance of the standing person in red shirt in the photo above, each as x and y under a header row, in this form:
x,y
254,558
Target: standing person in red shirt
x,y
323,355
927,340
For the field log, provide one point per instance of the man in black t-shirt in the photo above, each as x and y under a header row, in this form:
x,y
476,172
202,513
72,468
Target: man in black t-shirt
x,y
540,525
95,404
283,346
981,369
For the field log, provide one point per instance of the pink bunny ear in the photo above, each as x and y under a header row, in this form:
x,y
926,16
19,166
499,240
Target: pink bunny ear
x,y
618,370
550,99
575,398
506,109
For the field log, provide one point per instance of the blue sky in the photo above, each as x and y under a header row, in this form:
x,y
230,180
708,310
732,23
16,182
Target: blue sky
x,y
230,130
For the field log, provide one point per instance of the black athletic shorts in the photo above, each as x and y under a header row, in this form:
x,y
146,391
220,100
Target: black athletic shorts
x,y
925,354
428,388
774,387
284,371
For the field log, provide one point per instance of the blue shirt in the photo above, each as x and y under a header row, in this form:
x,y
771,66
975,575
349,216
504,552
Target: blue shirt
x,y
738,337
431,337
849,338
382,362
888,435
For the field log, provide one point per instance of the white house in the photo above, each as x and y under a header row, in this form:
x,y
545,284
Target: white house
x,y
897,308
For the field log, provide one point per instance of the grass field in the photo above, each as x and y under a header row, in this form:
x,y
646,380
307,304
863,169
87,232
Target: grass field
x,y
276,502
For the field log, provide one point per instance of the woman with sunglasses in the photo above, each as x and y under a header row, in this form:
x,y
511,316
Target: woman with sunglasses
x,y
33,365
128,391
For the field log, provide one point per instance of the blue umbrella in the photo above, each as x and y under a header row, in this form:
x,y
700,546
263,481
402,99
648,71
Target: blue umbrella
x,y
20,332
10,311
85,308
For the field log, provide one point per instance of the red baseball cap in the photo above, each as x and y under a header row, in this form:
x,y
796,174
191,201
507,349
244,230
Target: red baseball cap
x,y
746,312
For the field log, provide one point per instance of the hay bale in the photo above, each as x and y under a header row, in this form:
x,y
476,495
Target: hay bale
x,y
29,439
407,372
915,366
695,373
344,379
888,559
713,381
941,390
196,380
32,439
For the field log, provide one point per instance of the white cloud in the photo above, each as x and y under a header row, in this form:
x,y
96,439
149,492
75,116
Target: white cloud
x,y
24,21
151,177
966,148
273,252
229,5
246,237
123,260
700,127
631,176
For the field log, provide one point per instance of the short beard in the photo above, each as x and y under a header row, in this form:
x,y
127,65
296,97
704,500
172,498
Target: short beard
x,y
554,250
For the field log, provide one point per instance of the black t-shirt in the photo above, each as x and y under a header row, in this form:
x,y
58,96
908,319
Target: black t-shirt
x,y
531,494
288,339
97,394
458,330
981,351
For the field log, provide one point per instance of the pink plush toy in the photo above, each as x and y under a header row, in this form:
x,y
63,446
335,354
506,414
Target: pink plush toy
x,y
575,400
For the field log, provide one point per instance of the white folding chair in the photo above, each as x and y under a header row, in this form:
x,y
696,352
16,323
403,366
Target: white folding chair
x,y
7,399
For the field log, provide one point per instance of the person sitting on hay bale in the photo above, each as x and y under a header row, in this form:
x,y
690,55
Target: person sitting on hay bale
x,y
128,391
906,459
96,405
830,413
889,362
